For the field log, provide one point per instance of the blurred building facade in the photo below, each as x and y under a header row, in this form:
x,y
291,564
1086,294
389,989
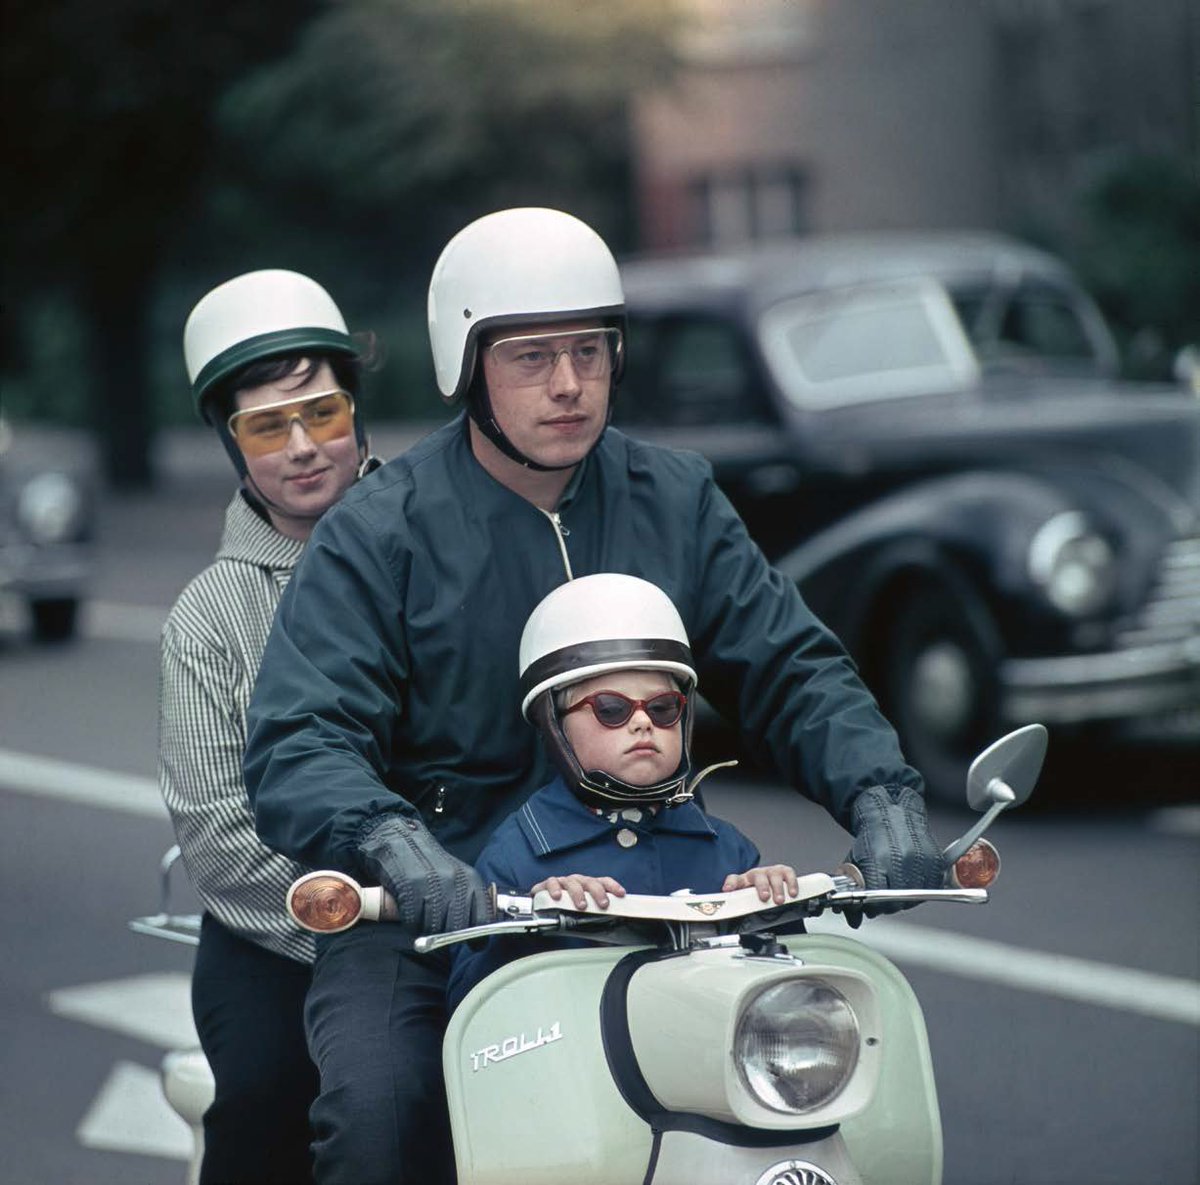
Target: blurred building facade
x,y
797,116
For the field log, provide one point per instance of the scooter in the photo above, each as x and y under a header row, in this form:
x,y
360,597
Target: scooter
x,y
703,1038
187,1080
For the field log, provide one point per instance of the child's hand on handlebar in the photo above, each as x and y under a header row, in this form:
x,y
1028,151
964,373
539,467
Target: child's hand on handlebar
x,y
771,880
575,885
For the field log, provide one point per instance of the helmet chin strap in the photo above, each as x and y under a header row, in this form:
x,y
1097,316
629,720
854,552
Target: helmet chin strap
x,y
253,488
367,463
479,408
604,790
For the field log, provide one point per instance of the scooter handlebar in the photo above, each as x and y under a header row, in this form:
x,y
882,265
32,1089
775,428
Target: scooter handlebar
x,y
976,868
328,902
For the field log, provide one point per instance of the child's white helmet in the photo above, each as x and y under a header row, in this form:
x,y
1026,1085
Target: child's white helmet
x,y
592,626
521,265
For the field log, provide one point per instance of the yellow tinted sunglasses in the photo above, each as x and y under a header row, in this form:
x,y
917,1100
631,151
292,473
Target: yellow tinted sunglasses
x,y
324,415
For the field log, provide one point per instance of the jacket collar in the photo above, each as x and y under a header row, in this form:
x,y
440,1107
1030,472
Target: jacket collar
x,y
250,539
554,820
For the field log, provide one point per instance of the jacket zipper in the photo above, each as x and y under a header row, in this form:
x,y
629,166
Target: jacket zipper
x,y
439,801
560,533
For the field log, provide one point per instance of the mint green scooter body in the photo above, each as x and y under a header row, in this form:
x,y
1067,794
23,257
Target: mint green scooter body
x,y
533,1101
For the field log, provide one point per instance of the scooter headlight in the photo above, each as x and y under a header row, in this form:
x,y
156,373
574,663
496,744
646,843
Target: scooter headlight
x,y
796,1045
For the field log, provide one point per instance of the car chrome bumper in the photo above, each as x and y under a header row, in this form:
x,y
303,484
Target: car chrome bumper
x,y
44,572
1158,679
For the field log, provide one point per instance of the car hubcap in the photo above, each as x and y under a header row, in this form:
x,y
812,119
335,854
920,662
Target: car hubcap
x,y
943,689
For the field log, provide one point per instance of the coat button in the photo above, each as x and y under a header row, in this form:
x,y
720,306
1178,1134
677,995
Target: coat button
x,y
632,814
626,838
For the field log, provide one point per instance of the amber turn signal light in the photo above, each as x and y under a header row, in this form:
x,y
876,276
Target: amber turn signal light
x,y
325,902
977,867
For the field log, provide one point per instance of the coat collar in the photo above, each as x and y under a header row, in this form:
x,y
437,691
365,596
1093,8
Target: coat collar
x,y
554,820
250,539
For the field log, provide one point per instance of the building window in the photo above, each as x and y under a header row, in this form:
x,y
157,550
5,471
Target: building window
x,y
738,206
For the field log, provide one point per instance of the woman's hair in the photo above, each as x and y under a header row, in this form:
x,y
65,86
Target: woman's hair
x,y
348,370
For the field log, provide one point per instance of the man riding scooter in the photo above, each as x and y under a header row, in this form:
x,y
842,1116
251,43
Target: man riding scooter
x,y
381,740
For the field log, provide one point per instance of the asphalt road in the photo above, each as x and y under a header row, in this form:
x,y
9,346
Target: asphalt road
x,y
1064,1017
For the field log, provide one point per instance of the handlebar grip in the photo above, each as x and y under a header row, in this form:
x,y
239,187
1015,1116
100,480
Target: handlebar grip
x,y
328,902
976,868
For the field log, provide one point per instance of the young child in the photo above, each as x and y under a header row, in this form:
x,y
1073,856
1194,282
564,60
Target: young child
x,y
607,678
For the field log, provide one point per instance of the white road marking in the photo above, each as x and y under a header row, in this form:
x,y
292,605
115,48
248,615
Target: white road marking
x,y
48,778
153,1008
130,1114
1163,997
113,622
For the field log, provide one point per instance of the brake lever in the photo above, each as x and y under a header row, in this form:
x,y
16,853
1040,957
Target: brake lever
x,y
519,925
843,897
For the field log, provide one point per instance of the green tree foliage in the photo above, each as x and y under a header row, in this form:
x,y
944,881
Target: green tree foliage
x,y
159,148
108,129
1139,253
396,122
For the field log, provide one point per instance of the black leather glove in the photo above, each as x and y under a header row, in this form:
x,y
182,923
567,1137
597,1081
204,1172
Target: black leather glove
x,y
434,891
893,847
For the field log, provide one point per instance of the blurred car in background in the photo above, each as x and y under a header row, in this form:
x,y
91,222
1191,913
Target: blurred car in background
x,y
926,433
46,524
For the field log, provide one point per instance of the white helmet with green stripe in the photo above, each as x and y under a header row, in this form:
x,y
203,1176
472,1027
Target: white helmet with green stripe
x,y
258,315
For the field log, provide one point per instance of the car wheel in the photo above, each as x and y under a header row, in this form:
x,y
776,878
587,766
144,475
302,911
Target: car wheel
x,y
54,620
941,692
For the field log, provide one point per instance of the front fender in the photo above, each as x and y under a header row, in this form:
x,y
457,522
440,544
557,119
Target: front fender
x,y
972,528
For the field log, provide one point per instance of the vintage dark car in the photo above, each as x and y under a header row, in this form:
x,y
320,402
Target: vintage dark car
x,y
46,523
926,433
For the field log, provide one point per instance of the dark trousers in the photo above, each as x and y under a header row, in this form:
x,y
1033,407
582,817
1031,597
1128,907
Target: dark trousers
x,y
376,1015
249,1009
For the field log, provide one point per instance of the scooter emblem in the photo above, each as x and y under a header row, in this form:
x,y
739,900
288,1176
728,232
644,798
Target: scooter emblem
x,y
708,908
511,1046
795,1172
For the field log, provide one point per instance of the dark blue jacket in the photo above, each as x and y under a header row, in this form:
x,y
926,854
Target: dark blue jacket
x,y
389,681
554,834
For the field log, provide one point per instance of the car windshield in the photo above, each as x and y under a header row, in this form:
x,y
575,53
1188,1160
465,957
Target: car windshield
x,y
851,345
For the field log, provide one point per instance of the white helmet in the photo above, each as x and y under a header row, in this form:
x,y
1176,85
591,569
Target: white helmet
x,y
592,626
515,266
254,316
262,315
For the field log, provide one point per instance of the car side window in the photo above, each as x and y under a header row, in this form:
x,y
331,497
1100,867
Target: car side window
x,y
704,375
1041,320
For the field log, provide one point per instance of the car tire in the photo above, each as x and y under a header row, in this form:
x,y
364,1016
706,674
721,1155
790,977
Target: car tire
x,y
55,619
940,685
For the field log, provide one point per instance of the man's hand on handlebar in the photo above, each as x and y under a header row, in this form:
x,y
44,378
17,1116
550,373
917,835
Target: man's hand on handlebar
x,y
893,847
434,891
